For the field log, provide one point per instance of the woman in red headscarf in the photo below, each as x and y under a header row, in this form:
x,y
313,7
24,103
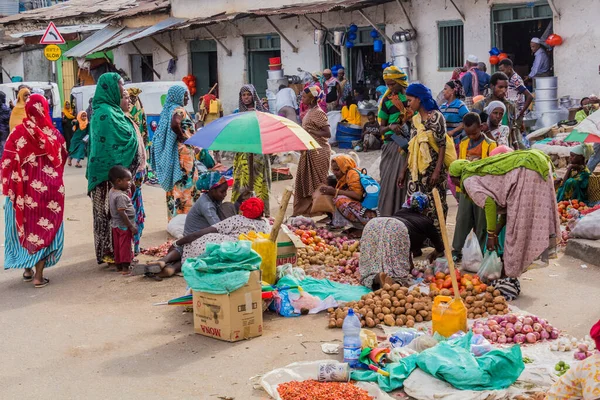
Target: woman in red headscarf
x,y
32,179
582,380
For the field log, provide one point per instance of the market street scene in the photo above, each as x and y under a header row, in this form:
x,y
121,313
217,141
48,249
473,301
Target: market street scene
x,y
293,200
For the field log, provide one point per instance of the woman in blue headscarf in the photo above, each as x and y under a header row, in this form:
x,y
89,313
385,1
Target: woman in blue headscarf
x,y
172,160
426,149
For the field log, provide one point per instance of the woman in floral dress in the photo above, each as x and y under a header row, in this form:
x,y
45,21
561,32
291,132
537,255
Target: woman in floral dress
x,y
178,179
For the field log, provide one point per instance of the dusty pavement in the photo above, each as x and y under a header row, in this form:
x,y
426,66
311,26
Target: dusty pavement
x,y
95,334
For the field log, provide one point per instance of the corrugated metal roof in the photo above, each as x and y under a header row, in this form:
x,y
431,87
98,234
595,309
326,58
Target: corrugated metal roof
x,y
215,19
143,7
96,40
63,30
159,27
317,8
119,39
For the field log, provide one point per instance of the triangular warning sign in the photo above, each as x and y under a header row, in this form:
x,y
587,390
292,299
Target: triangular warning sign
x,y
52,35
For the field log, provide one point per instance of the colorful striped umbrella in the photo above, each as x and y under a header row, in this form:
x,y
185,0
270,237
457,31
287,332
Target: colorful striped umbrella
x,y
582,137
253,132
587,131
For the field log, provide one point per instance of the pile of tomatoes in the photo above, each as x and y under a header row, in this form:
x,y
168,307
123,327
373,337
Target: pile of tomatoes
x,y
441,281
570,209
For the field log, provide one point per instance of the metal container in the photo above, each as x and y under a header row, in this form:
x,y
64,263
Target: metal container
x,y
546,82
278,74
334,372
546,94
549,118
546,105
320,36
338,38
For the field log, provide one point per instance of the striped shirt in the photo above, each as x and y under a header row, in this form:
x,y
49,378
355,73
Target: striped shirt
x,y
454,113
390,113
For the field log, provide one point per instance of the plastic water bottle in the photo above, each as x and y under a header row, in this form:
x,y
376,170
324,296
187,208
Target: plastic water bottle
x,y
352,343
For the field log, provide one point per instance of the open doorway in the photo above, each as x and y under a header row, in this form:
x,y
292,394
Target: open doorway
x,y
204,67
141,68
259,49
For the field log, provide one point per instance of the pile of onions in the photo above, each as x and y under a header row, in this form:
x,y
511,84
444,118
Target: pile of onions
x,y
512,328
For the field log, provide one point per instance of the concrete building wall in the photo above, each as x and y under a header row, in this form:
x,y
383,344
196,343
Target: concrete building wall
x,y
37,67
206,8
13,64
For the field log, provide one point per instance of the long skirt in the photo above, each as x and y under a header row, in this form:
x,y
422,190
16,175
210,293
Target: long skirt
x,y
313,169
262,178
16,256
391,197
77,147
350,212
140,214
102,231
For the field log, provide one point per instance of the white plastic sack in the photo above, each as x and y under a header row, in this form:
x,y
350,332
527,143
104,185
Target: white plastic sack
x,y
471,254
588,227
491,267
176,225
302,371
374,170
334,118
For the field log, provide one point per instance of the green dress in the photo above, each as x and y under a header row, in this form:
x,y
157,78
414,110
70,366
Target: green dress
x,y
574,187
77,149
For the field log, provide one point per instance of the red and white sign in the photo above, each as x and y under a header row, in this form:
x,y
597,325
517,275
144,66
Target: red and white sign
x,y
52,35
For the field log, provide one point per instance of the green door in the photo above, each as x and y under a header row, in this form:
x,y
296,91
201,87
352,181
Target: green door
x,y
204,67
259,49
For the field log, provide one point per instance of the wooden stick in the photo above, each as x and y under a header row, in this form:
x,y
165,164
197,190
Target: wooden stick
x,y
287,194
447,251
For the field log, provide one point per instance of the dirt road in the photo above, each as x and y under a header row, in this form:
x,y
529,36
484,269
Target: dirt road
x,y
95,334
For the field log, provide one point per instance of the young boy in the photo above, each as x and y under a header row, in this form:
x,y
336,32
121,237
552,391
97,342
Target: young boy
x,y
371,137
475,146
122,217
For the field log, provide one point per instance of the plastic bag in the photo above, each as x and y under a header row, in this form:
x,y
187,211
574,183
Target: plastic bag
x,y
588,227
441,265
422,343
176,226
288,269
322,203
368,338
471,254
491,267
282,304
480,345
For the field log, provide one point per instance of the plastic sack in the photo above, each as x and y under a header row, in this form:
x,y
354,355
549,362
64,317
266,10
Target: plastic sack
x,y
422,343
282,304
588,227
289,269
491,267
441,265
304,301
322,203
471,254
368,338
334,118
176,226
480,345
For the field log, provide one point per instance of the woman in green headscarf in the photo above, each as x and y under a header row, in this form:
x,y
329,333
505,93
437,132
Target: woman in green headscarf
x,y
518,188
113,141
574,185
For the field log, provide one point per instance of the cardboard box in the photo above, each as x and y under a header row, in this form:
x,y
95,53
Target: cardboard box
x,y
287,247
231,317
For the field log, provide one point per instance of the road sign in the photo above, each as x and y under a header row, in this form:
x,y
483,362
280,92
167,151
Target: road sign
x,y
52,52
52,35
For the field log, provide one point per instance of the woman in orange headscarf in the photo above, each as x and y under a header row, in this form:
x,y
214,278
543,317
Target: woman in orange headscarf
x,y
18,112
348,194
79,139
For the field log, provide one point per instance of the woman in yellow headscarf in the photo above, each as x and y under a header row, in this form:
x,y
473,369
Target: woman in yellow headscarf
x,y
79,140
18,112
394,115
348,194
68,117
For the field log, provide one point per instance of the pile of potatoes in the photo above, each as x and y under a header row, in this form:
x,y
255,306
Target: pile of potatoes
x,y
392,305
482,305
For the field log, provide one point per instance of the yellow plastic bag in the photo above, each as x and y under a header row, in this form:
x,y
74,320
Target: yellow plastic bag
x,y
267,251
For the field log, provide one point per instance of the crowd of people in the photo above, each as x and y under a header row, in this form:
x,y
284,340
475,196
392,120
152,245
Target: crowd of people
x,y
469,141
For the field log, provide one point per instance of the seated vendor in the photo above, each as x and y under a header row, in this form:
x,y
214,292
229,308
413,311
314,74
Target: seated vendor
x,y
348,195
194,244
587,108
387,244
371,136
350,112
582,381
574,185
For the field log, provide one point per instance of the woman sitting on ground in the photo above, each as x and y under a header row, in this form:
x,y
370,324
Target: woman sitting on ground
x,y
350,112
388,244
348,195
194,244
574,185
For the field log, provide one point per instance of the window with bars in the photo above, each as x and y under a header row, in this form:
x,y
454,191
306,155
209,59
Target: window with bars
x,y
450,44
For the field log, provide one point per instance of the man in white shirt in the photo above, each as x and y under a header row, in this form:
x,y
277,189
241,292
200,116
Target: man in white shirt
x,y
541,62
286,103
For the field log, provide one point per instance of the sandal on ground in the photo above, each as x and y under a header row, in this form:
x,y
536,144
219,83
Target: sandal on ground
x,y
43,284
142,269
153,276
78,166
27,278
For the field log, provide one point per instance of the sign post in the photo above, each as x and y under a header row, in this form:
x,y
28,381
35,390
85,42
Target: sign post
x,y
51,39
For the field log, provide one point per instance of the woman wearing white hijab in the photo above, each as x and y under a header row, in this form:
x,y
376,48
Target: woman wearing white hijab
x,y
495,130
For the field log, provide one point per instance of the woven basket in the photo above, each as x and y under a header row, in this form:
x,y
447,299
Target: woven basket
x,y
594,188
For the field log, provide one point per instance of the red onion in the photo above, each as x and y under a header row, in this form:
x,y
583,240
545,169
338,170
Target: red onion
x,y
527,321
519,338
582,348
509,340
512,318
554,334
493,337
530,337
492,323
478,331
510,326
518,327
548,328
538,335
545,335
510,332
527,329
502,339
537,327
487,333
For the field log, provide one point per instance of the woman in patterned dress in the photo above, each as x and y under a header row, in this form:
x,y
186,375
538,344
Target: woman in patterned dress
x,y
427,148
313,167
261,164
113,141
32,169
172,160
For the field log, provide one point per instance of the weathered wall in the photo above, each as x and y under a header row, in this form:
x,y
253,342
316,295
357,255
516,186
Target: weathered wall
x,y
13,63
206,8
37,67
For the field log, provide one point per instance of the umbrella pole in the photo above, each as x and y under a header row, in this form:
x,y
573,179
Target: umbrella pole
x,y
251,171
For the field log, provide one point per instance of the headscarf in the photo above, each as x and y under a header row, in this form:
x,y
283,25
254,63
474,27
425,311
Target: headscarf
x,y
257,103
418,201
493,105
83,123
595,334
457,87
18,112
345,163
501,150
210,180
35,146
397,75
68,111
315,92
164,150
113,139
134,92
534,160
252,208
381,89
423,93
536,40
584,150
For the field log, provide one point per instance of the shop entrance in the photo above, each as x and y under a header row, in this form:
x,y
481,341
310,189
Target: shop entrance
x,y
259,49
204,67
514,26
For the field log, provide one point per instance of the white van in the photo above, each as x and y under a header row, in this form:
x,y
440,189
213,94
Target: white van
x,y
50,91
81,95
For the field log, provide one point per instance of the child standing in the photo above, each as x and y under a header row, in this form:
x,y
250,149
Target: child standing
x,y
371,136
475,146
122,219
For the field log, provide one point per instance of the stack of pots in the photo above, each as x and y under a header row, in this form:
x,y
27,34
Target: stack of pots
x,y
275,71
546,102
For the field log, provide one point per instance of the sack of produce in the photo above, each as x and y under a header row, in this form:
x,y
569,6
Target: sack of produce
x,y
471,254
588,227
322,203
491,267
